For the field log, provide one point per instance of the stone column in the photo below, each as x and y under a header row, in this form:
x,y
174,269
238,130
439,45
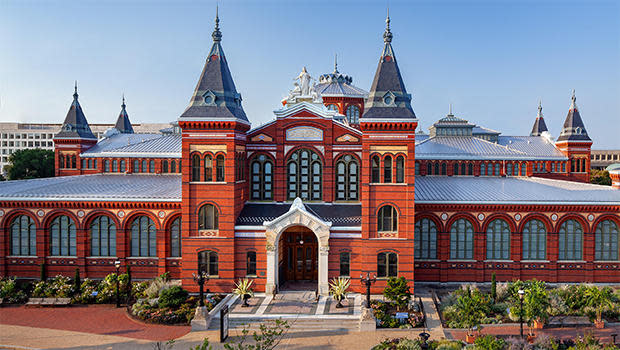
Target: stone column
x,y
323,270
272,266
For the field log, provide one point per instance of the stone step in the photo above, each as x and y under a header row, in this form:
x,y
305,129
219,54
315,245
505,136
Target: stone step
x,y
298,324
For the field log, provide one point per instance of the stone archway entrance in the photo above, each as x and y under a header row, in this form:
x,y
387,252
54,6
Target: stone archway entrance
x,y
298,219
298,262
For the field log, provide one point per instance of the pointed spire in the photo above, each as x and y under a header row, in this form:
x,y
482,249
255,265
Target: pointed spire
x,y
574,129
450,111
75,125
539,109
539,124
75,94
217,35
336,63
122,123
387,35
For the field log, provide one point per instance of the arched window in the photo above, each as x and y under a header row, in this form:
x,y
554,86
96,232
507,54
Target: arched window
x,y
195,167
61,160
508,169
496,169
136,166
455,169
123,166
498,240
483,169
262,178
175,238
63,239
606,238
387,169
164,166
173,166
143,237
332,107
462,240
400,169
115,166
73,162
208,168
208,217
106,165
219,168
347,178
387,264
436,168
534,240
570,240
443,169
144,167
463,169
375,173
102,236
417,168
345,264
304,177
23,236
151,166
208,262
425,243
353,114
387,219
90,163
84,163
470,169
429,168
523,169
250,263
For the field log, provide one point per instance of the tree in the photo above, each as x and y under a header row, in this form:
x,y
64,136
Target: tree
x,y
493,287
536,303
77,282
599,299
600,177
397,290
30,164
471,308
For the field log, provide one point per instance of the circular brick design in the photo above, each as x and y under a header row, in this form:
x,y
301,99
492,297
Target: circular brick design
x,y
554,217
161,214
40,213
444,216
80,213
480,216
120,214
517,217
591,217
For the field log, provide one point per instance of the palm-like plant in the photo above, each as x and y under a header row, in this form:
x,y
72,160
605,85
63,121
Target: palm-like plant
x,y
599,299
536,303
338,288
471,308
243,289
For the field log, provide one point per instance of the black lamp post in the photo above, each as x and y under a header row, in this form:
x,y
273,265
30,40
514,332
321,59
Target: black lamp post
x,y
201,279
117,264
521,293
424,337
368,281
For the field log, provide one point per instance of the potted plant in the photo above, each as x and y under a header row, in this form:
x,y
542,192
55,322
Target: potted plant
x,y
243,289
471,308
599,299
338,288
536,305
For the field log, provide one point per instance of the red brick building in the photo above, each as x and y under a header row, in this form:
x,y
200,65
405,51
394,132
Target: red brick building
x,y
338,184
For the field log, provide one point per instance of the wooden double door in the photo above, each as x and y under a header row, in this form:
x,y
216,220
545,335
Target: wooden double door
x,y
299,255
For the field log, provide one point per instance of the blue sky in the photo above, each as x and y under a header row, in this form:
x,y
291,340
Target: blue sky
x,y
493,60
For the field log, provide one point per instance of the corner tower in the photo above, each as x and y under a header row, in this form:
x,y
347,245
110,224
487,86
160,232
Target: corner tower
x,y
388,162
575,143
73,138
214,128
122,123
539,125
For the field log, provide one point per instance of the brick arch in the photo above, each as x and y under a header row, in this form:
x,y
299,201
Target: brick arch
x,y
433,217
201,204
170,218
386,250
8,218
580,219
259,153
463,215
92,215
47,220
383,204
348,153
536,216
385,155
495,216
287,156
134,214
204,248
604,217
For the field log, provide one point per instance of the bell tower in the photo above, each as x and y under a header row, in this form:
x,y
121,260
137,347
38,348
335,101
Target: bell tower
x,y
575,143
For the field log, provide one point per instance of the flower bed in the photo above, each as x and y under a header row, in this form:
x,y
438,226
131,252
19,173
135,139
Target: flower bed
x,y
385,313
152,311
12,291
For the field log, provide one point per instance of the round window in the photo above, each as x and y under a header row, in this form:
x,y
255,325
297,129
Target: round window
x,y
209,99
387,100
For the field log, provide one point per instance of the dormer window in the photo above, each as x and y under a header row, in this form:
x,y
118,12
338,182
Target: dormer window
x,y
209,98
578,130
389,99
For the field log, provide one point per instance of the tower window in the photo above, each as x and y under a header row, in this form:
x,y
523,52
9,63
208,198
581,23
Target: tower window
x,y
353,114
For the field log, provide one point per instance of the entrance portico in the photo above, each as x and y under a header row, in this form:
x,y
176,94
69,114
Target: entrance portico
x,y
297,215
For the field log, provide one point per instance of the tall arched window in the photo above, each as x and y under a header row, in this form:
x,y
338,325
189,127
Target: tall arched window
x,y
534,240
387,264
345,264
463,169
498,240
304,175
175,238
455,169
250,263
136,166
208,262
144,166
436,168
63,239
106,165
425,243
353,114
429,168
509,169
523,169
219,168
123,166
470,169
61,160
570,240
444,169
164,166
115,166
195,167
151,166
387,169
173,166
262,178
208,168
73,162
375,169
208,217
143,237
606,238
400,169
102,236
387,219
462,240
23,236
497,169
347,184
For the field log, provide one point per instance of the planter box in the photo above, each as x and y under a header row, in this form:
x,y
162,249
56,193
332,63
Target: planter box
x,y
470,338
599,324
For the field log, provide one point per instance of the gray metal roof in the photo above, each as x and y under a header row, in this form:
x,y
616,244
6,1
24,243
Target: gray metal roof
x,y
509,190
337,214
75,124
534,146
137,145
337,88
100,187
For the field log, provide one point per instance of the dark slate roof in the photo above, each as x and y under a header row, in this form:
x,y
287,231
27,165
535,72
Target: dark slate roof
x,y
539,125
75,124
338,214
573,129
215,96
122,123
388,82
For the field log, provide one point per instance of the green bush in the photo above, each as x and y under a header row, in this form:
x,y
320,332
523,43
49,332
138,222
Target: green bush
x,y
58,287
445,344
489,342
9,290
398,344
172,297
397,290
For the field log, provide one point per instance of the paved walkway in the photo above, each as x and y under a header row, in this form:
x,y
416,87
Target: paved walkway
x,y
562,333
433,322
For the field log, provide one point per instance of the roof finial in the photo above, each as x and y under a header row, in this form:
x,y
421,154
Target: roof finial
x,y
387,36
217,35
75,94
450,111
573,104
123,105
540,109
335,63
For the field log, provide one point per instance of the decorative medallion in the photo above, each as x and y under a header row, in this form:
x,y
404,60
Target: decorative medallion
x,y
591,217
40,213
304,133
1,213
347,138
480,216
444,216
261,137
120,214
554,217
161,214
517,217
80,213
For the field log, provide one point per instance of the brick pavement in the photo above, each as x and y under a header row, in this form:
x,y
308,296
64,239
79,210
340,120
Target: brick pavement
x,y
96,319
562,333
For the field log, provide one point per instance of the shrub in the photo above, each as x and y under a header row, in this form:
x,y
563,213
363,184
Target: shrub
x,y
493,287
445,344
11,292
398,344
489,342
172,297
158,285
77,283
397,290
42,274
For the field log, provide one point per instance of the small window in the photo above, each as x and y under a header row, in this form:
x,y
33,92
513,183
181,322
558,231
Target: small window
x,y
123,166
429,168
375,169
345,264
219,165
173,166
261,181
106,166
196,168
208,263
387,219
175,238
387,169
136,166
387,264
400,169
208,217
483,169
456,169
208,168
332,107
353,114
250,263
144,166
164,166
151,166
444,169
115,166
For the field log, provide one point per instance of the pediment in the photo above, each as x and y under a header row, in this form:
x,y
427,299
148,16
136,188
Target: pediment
x,y
347,138
262,138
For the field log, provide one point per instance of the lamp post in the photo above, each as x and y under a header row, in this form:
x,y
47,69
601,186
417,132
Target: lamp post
x,y
117,264
521,293
424,337
368,281
201,279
